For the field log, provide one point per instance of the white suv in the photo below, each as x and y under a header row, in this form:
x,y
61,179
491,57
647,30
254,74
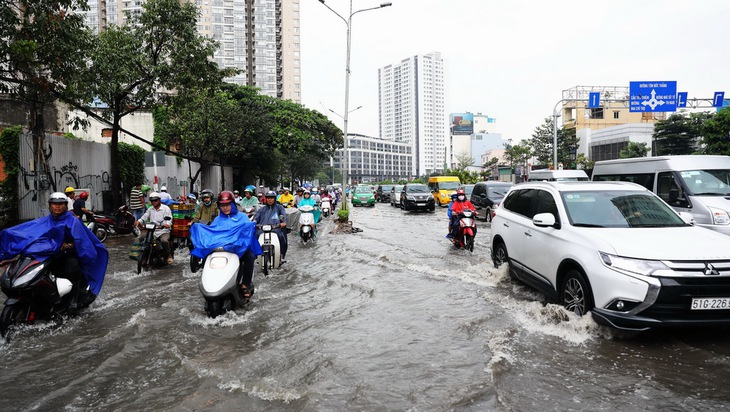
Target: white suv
x,y
616,250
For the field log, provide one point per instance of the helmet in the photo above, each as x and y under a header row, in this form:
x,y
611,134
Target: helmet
x,y
460,192
270,193
300,189
58,197
154,196
163,189
84,195
307,192
454,196
249,188
206,192
235,192
192,196
225,197
68,189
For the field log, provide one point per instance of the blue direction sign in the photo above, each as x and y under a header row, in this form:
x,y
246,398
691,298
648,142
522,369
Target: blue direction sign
x,y
653,96
718,99
681,99
594,98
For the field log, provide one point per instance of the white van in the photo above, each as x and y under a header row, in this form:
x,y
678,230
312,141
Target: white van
x,y
699,185
557,176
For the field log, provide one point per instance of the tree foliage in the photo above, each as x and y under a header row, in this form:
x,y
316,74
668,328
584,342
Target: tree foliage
x,y
10,156
678,135
542,143
634,149
716,133
463,160
131,165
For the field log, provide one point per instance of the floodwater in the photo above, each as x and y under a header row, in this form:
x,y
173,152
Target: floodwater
x,y
391,318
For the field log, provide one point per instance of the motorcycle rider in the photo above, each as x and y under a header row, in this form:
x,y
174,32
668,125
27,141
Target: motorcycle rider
x,y
80,210
461,204
164,196
307,200
156,214
230,219
81,257
298,196
248,199
274,214
207,210
70,197
450,214
286,198
237,199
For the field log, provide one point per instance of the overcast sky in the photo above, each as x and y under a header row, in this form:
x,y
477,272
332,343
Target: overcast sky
x,y
511,59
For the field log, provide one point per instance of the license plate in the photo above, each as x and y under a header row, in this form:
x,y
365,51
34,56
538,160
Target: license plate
x,y
420,204
710,303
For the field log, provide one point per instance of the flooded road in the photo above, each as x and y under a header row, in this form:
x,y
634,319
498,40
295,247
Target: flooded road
x,y
391,318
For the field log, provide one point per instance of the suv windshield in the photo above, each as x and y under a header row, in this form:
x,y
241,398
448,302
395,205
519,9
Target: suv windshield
x,y
618,208
448,185
707,182
385,188
416,189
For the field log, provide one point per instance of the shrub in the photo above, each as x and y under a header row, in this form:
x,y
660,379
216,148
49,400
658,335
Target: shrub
x,y
343,215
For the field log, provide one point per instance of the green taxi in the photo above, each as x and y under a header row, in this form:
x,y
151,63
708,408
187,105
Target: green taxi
x,y
363,196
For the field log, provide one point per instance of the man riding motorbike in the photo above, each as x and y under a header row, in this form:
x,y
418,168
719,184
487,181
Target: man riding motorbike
x,y
235,233
156,214
273,214
81,257
207,210
461,204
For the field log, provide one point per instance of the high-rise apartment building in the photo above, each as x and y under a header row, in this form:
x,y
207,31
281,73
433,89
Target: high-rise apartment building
x,y
260,38
412,104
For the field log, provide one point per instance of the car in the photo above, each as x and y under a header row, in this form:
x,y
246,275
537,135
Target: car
x,y
382,193
363,196
488,195
616,250
416,196
395,195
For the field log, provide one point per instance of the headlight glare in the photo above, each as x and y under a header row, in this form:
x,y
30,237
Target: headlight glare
x,y
639,266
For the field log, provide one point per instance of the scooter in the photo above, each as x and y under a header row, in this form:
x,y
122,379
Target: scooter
x,y
250,211
271,256
220,283
34,293
326,207
122,223
307,226
151,254
96,228
467,230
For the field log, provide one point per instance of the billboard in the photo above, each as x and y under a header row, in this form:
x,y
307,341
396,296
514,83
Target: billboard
x,y
462,123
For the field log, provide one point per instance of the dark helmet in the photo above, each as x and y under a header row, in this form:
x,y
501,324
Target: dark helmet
x,y
271,193
225,197
58,197
207,192
454,196
84,195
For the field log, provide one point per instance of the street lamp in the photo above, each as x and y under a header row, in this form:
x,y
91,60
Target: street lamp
x,y
348,22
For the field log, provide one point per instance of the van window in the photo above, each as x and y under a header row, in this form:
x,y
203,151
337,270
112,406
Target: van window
x,y
644,179
707,182
447,185
670,191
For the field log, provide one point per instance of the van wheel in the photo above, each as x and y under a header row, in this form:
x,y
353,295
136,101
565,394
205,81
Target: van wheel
x,y
488,215
575,294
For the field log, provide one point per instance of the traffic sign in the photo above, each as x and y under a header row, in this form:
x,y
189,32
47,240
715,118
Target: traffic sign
x,y
718,99
594,98
682,99
656,96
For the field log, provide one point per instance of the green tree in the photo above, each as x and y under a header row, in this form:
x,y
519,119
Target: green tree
x,y
130,65
43,46
542,143
463,160
716,133
677,135
634,149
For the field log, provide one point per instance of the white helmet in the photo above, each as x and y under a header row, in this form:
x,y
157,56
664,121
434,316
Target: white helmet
x,y
58,197
154,196
163,189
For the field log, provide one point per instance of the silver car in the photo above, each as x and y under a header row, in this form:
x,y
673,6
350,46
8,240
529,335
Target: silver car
x,y
395,195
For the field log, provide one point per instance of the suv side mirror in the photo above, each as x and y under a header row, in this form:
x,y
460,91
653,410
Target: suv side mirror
x,y
544,220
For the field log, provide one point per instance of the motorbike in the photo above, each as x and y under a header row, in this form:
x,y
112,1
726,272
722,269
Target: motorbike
x,y
98,229
326,207
307,225
220,283
271,256
467,230
122,223
34,293
151,253
250,211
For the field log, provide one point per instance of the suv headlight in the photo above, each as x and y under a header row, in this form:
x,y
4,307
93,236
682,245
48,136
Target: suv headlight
x,y
719,216
638,266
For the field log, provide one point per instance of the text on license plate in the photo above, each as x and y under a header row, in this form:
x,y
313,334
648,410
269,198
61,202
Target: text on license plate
x,y
710,303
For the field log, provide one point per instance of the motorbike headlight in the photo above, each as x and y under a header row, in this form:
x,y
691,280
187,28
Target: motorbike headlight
x,y
218,262
27,277
639,266
719,216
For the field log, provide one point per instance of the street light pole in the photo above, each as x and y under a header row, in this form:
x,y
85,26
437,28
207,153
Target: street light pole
x,y
346,158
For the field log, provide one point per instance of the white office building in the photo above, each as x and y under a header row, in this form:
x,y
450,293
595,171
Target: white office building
x,y
412,104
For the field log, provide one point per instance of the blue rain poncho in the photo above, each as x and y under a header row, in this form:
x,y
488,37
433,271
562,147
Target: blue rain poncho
x,y
234,233
42,238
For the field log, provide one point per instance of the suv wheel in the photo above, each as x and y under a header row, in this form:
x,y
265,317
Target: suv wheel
x,y
575,294
499,254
